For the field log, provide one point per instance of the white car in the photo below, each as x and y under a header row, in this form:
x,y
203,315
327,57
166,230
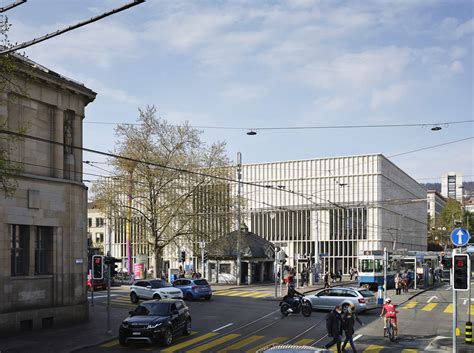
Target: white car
x,y
153,289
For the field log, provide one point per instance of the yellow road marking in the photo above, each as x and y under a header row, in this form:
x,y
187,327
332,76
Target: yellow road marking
x,y
252,294
261,295
410,305
222,292
410,350
214,343
273,340
429,307
449,309
240,344
373,348
236,294
110,344
190,342
304,342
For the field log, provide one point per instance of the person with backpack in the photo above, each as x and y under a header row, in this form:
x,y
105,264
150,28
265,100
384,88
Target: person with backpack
x,y
334,327
348,321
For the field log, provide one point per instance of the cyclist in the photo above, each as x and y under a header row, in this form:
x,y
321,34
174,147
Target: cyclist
x,y
390,314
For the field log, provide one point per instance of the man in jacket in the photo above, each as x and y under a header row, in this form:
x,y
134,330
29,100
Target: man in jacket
x,y
348,321
334,327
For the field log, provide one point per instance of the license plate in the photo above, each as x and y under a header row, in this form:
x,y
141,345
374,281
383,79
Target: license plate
x,y
136,333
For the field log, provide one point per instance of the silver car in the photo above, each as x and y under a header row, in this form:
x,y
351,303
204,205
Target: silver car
x,y
363,299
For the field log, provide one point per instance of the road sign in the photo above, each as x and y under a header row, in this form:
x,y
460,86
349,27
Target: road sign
x,y
323,254
460,237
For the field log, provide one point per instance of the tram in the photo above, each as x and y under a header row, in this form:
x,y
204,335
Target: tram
x,y
371,272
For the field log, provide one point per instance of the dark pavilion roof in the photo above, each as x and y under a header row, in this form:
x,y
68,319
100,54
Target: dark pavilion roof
x,y
252,246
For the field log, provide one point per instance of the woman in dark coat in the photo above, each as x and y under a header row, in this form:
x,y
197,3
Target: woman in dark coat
x,y
348,321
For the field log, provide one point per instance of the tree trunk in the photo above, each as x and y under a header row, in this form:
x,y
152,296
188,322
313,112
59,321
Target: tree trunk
x,y
157,259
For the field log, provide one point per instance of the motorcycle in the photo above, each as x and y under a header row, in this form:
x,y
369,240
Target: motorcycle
x,y
299,304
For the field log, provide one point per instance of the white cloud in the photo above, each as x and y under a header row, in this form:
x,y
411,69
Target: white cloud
x,y
244,93
391,95
465,29
456,67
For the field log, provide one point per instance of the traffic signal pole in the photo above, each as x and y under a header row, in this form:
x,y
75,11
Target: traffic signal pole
x,y
454,304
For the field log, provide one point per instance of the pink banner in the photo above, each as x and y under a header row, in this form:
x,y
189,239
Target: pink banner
x,y
139,271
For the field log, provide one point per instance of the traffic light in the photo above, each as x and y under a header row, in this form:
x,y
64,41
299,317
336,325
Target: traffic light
x,y
461,272
111,262
205,256
97,267
182,257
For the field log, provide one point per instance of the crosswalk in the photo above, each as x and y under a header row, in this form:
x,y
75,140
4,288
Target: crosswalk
x,y
235,342
241,294
446,308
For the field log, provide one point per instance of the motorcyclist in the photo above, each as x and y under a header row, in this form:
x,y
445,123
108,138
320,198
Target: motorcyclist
x,y
290,295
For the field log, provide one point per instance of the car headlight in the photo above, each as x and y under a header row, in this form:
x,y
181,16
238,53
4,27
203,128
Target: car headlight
x,y
154,325
125,324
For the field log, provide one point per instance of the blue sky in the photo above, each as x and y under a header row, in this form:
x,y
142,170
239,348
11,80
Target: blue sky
x,y
270,64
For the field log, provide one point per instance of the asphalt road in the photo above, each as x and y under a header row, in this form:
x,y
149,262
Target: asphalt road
x,y
233,322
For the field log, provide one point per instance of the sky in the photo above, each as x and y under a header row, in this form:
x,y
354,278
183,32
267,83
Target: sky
x,y
255,64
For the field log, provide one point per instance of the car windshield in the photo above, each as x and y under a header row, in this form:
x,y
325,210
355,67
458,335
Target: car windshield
x,y
201,282
159,283
152,309
366,293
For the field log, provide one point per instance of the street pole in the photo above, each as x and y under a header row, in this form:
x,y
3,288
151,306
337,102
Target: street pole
x,y
297,270
454,304
129,223
239,177
202,244
385,263
109,253
92,287
276,272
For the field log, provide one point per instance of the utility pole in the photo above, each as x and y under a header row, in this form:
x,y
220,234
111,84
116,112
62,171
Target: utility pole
x,y
239,178
129,223
202,245
455,318
385,263
109,254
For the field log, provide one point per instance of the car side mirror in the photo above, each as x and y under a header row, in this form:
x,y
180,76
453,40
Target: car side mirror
x,y
175,312
149,287
131,312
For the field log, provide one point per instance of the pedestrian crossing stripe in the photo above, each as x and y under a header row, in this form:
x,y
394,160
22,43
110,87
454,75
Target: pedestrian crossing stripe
x,y
429,307
373,348
245,294
275,340
410,305
304,342
190,342
240,344
449,309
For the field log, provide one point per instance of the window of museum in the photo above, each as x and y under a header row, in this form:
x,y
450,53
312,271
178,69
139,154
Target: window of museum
x,y
90,222
99,222
44,250
20,254
99,237
224,268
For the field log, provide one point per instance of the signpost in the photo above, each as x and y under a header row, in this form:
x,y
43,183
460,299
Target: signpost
x,y
459,237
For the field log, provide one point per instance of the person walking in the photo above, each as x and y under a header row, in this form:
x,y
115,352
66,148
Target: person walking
x,y
398,284
351,272
348,321
334,328
326,280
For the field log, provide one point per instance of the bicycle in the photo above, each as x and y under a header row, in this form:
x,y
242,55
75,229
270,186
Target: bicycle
x,y
390,329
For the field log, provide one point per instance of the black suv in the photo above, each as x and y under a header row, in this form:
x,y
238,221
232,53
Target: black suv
x,y
156,321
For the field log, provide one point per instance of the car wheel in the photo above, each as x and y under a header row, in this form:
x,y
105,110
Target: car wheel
x,y
187,327
156,296
123,341
208,297
189,296
134,298
167,337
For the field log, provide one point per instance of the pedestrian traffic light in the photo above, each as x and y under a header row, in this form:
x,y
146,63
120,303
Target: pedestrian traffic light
x,y
461,272
182,257
205,256
97,267
111,262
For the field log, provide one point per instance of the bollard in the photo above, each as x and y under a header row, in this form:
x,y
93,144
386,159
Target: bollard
x,y
468,339
380,296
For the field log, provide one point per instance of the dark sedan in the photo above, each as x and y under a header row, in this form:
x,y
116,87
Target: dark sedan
x,y
156,321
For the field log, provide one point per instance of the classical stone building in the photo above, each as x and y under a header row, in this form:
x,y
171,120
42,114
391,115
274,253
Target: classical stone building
x,y
43,224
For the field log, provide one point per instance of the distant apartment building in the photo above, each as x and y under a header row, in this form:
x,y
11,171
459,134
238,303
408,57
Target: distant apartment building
x,y
43,244
96,229
469,205
435,204
451,186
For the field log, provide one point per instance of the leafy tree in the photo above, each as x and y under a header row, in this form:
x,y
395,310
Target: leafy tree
x,y
169,206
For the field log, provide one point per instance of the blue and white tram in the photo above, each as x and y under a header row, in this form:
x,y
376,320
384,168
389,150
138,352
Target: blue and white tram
x,y
371,272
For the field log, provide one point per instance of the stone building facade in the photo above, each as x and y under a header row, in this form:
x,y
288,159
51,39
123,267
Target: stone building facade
x,y
43,224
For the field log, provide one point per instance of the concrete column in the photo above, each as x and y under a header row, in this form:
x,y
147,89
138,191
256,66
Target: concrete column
x,y
262,270
77,141
249,273
58,154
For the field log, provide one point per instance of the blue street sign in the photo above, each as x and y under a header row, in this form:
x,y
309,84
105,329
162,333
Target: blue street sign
x,y
470,248
460,237
323,254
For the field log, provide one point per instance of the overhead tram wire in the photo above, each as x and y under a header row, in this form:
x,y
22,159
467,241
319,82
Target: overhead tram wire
x,y
70,28
310,127
12,5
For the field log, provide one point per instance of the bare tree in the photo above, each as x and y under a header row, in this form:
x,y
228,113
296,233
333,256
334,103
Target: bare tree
x,y
169,205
